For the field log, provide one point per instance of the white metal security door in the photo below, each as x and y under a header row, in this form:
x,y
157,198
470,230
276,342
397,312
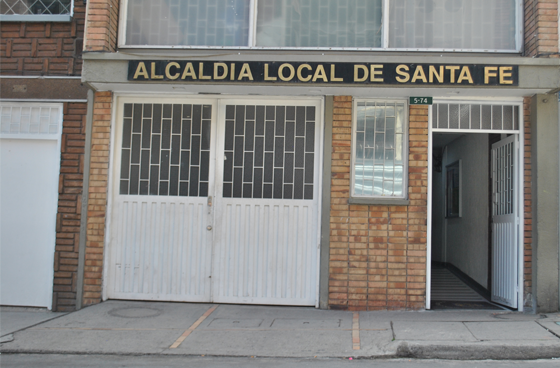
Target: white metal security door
x,y
245,230
29,173
160,248
504,221
268,188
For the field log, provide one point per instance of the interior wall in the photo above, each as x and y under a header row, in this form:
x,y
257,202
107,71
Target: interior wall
x,y
437,216
467,236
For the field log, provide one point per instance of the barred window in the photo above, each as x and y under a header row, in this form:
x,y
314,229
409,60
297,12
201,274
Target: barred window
x,y
36,10
442,25
379,149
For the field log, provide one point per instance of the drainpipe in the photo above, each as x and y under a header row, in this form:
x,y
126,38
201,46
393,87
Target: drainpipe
x,y
85,197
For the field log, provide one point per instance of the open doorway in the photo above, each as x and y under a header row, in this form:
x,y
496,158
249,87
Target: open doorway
x,y
474,217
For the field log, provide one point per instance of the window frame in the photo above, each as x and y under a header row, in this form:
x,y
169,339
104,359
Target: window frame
x,y
251,42
39,17
374,199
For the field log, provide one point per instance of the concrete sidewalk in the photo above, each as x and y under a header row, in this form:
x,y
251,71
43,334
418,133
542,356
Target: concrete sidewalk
x,y
138,328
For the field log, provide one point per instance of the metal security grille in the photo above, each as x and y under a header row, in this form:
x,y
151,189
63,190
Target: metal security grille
x,y
188,22
379,149
29,120
475,116
35,7
311,23
269,152
166,150
503,180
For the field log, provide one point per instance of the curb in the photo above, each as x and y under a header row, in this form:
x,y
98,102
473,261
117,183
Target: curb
x,y
477,352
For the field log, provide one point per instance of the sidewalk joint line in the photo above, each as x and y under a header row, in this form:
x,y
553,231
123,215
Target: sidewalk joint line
x,y
356,331
193,327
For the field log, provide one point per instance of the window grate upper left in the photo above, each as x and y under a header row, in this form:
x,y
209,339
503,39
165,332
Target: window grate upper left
x,y
36,10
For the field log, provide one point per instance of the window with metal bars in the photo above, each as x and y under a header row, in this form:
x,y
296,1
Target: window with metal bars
x,y
36,10
379,149
454,25
165,150
469,116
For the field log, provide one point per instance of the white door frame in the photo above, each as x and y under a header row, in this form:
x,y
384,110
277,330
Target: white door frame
x,y
120,98
520,176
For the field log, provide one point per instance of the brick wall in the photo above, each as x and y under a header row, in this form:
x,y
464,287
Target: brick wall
x,y
527,205
97,202
378,253
102,25
541,28
43,48
69,207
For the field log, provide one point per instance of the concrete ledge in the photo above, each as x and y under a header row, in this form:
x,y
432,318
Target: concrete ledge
x,y
479,351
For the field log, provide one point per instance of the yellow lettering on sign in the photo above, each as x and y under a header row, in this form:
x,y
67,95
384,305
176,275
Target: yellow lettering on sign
x,y
300,75
232,72
419,74
320,73
266,77
141,71
201,75
465,75
504,74
281,72
490,72
217,75
375,72
452,69
434,73
154,75
189,72
168,71
357,69
333,76
245,72
403,71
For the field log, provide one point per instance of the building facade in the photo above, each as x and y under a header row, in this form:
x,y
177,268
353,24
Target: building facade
x,y
333,154
43,133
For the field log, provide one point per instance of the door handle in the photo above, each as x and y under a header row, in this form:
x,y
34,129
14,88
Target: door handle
x,y
209,201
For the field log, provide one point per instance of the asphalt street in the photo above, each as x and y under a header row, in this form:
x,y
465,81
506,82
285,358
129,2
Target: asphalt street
x,y
112,361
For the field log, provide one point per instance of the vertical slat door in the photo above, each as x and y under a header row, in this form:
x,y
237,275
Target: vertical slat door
x,y
504,221
267,203
160,247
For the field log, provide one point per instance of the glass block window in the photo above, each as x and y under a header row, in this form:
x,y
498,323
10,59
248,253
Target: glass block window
x,y
188,22
269,152
453,24
166,150
379,147
475,116
46,10
30,120
312,23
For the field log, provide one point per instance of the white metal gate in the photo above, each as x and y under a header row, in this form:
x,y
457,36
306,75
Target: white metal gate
x,y
216,200
505,220
29,173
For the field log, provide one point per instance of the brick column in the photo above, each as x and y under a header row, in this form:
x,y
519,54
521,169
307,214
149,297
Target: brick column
x,y
541,28
69,207
102,25
527,206
378,252
97,202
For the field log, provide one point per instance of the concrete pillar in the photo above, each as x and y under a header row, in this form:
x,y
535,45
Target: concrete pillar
x,y
545,189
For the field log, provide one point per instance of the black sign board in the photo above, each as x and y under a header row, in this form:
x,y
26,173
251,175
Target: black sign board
x,y
323,73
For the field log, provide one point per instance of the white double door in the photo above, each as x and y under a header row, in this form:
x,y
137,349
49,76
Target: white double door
x,y
216,200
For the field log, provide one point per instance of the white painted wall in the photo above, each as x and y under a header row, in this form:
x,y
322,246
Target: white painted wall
x,y
437,216
29,170
467,236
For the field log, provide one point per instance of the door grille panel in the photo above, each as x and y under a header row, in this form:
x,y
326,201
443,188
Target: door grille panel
x,y
269,152
165,150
